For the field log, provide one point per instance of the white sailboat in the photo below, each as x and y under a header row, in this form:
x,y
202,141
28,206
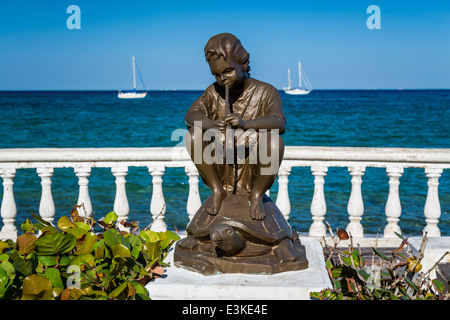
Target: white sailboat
x,y
300,90
133,94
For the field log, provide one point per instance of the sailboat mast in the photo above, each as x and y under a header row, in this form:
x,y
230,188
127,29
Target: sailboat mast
x,y
299,75
134,75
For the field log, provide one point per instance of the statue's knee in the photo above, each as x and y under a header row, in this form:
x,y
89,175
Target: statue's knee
x,y
192,137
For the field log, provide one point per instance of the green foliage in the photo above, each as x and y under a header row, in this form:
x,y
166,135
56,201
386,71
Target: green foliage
x,y
395,277
71,262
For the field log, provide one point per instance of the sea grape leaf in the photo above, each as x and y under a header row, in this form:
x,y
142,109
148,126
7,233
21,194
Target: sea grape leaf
x,y
4,282
3,245
64,223
19,263
55,243
40,220
170,238
83,226
48,230
119,250
76,294
36,287
89,241
64,261
112,237
25,243
141,292
8,268
27,226
83,259
111,218
54,276
48,261
77,232
118,290
153,250
99,249
150,236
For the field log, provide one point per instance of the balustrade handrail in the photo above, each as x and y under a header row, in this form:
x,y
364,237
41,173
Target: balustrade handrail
x,y
407,155
316,153
93,154
156,159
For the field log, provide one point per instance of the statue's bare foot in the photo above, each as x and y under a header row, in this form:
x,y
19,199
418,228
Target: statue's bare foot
x,y
218,195
257,208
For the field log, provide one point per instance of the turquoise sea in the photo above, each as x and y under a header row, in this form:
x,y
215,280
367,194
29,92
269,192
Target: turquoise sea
x,y
360,118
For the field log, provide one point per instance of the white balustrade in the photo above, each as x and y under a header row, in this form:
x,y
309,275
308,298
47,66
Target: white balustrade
x,y
318,203
46,206
283,203
156,160
393,207
194,202
8,208
158,204
355,207
84,200
121,206
432,210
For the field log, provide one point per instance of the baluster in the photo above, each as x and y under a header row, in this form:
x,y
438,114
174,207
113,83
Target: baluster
x,y
121,206
8,208
393,207
83,195
46,206
194,202
355,206
283,203
158,204
432,210
318,204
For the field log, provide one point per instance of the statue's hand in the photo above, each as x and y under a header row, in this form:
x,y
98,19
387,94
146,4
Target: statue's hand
x,y
220,124
235,120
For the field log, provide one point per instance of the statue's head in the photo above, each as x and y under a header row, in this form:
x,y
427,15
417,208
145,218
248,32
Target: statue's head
x,y
227,59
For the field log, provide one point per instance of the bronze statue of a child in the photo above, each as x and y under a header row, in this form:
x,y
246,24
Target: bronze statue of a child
x,y
254,105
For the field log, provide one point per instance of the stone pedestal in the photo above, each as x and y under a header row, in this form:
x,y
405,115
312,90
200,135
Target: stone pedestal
x,y
182,284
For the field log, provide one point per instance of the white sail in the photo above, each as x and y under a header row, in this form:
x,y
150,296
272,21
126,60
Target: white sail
x,y
289,78
299,75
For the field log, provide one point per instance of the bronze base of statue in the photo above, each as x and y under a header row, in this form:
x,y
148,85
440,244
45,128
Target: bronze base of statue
x,y
232,242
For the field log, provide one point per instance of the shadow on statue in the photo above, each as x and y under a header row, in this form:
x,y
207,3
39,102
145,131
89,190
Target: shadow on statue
x,y
235,142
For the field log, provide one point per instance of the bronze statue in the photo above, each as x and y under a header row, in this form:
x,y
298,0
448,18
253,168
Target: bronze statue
x,y
235,142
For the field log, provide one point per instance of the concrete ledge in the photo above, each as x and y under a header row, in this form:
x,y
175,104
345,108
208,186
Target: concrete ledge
x,y
182,284
435,248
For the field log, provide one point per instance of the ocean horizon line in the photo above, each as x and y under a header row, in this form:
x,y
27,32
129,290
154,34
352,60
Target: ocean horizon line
x,y
201,90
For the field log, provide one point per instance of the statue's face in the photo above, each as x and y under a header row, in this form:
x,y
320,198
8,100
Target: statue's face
x,y
226,71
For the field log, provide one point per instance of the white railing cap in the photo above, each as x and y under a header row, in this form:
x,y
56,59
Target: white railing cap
x,y
93,154
408,155
308,153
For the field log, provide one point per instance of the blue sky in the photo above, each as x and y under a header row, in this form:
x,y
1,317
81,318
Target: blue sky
x,y
338,51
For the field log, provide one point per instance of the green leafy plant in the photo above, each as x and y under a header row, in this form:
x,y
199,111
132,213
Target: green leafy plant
x,y
394,277
72,262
